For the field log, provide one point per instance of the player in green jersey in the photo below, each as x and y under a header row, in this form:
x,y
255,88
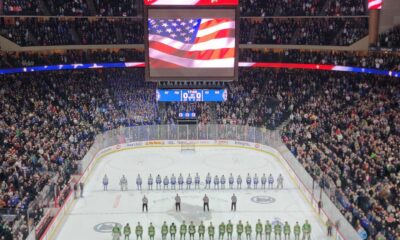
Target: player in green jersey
x,y
278,231
116,232
248,231
268,230
139,231
211,231
127,231
221,230
259,228
192,231
306,230
297,231
183,230
164,231
152,231
172,231
229,230
286,231
239,230
202,230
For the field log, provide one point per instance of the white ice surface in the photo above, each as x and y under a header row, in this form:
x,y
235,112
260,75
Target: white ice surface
x,y
99,206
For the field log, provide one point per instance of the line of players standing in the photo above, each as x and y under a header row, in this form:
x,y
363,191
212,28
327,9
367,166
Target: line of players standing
x,y
222,229
219,183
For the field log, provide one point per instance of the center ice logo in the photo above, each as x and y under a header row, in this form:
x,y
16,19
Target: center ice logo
x,y
106,227
263,199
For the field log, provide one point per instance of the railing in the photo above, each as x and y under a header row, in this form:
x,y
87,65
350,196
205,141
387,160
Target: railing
x,y
312,191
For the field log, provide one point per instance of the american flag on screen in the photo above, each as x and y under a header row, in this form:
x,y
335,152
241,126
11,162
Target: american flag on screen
x,y
192,43
374,4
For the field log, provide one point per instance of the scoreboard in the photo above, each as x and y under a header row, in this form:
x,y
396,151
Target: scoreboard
x,y
191,40
193,95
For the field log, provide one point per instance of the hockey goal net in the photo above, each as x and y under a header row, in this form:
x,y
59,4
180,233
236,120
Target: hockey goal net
x,y
188,147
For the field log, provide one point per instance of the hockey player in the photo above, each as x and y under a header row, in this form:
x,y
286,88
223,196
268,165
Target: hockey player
x,y
124,183
231,180
270,181
259,228
221,231
197,181
229,230
158,182
172,231
127,231
234,201
223,181
255,181
263,181
208,181
138,182
166,182
177,203
239,230
105,182
216,182
278,231
116,232
173,182
151,231
180,181
188,182
192,231
248,231
279,180
297,231
150,183
268,230
144,203
286,231
248,180
239,182
211,231
202,230
164,231
205,203
306,231
183,230
139,231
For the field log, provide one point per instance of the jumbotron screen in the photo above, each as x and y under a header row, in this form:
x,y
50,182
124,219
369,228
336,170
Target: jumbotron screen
x,y
191,43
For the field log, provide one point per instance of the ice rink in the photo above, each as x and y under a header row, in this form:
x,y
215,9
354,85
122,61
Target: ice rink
x,y
90,217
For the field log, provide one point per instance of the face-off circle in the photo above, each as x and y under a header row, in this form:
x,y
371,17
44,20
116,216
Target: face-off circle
x,y
263,199
106,227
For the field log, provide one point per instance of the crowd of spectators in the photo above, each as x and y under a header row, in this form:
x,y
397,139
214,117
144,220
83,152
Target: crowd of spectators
x,y
55,31
310,31
129,7
26,59
68,8
21,7
390,38
377,60
116,8
346,135
346,8
47,125
302,8
34,31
